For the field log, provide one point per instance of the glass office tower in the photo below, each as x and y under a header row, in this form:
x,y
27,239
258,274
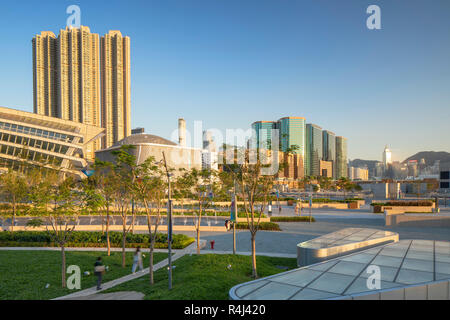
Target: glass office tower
x,y
314,149
263,130
341,157
329,149
292,133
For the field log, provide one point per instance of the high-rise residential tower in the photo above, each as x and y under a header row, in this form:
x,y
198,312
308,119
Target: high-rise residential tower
x,y
74,57
341,157
329,149
45,95
115,87
314,150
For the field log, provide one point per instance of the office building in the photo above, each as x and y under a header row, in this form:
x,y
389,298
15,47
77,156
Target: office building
x,y
115,87
326,169
360,174
137,131
329,149
263,131
341,157
28,139
387,157
314,150
292,131
444,177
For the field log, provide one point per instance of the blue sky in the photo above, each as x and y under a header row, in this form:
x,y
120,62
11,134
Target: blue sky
x,y
230,63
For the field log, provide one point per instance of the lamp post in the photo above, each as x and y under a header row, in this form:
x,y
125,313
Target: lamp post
x,y
169,222
235,215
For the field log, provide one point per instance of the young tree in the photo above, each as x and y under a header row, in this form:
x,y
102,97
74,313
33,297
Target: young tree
x,y
200,184
14,189
254,186
56,199
123,176
103,180
150,187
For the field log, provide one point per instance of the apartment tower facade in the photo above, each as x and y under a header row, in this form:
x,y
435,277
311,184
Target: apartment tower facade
x,y
66,77
76,77
115,87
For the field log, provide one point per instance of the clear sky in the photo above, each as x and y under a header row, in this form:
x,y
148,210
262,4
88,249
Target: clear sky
x,y
232,62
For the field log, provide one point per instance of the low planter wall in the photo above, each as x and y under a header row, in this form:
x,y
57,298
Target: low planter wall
x,y
398,209
415,220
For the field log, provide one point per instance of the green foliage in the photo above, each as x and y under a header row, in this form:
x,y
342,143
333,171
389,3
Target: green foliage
x,y
404,204
91,239
292,219
269,226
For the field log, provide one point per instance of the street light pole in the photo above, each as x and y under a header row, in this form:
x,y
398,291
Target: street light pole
x,y
169,223
236,216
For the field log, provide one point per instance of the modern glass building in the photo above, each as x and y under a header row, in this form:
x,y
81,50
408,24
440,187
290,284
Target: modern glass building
x,y
314,149
292,133
28,139
329,149
263,131
341,158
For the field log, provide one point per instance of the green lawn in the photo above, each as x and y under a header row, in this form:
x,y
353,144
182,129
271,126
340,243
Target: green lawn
x,y
25,274
199,277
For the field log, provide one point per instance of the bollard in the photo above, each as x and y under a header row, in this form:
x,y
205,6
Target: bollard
x,y
212,244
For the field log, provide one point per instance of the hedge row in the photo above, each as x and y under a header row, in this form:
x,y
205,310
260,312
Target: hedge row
x,y
292,219
404,204
91,239
270,226
326,200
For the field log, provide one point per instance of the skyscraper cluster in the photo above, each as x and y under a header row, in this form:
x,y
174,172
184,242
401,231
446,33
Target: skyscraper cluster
x,y
80,77
320,151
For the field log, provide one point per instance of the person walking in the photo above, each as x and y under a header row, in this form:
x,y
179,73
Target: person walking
x,y
137,260
99,269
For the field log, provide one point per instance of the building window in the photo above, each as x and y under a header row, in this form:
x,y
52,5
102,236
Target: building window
x,y
445,185
445,175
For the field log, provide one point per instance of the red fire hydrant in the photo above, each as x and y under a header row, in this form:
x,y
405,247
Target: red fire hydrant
x,y
212,244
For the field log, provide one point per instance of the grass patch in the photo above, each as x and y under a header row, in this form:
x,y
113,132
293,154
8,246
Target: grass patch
x,y
205,277
24,274
292,219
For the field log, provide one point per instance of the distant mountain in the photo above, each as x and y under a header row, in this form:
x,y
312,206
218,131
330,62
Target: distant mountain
x,y
430,157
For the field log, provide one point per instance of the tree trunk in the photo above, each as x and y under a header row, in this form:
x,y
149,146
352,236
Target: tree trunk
x,y
198,228
152,281
13,216
63,267
124,236
254,273
108,244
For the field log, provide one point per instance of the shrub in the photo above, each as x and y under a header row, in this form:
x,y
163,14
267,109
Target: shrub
x,y
270,226
404,204
91,239
292,219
